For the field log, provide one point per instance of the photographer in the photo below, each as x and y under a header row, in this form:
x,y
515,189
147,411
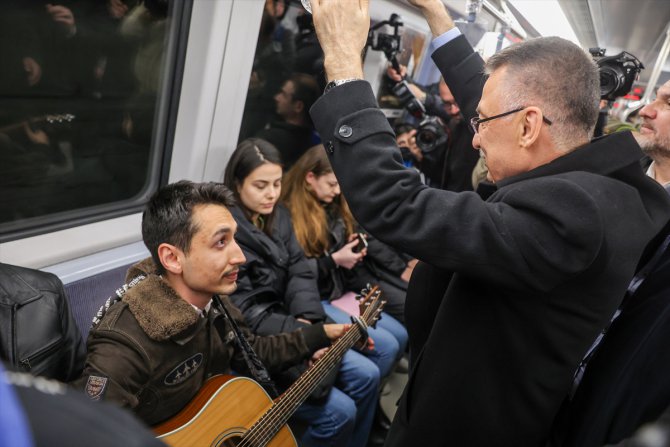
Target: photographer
x,y
449,164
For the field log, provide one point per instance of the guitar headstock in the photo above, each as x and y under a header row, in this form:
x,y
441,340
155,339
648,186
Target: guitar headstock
x,y
370,304
53,124
59,119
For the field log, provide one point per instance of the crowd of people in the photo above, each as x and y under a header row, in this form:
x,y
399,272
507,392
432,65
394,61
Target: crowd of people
x,y
529,296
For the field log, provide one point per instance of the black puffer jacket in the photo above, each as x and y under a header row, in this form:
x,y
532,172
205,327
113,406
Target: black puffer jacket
x,y
276,285
37,331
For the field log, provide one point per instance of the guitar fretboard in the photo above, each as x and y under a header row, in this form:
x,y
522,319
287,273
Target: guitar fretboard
x,y
279,413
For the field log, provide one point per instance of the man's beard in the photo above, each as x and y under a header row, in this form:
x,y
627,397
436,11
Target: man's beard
x,y
657,147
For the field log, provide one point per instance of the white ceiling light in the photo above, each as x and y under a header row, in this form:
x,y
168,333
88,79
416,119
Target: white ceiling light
x,y
547,18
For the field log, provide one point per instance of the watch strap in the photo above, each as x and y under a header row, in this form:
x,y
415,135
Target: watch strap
x,y
334,83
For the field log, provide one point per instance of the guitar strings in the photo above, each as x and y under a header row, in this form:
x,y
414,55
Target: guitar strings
x,y
273,420
296,394
279,418
263,430
270,422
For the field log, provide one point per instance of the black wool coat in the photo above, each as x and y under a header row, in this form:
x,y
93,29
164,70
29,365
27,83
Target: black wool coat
x,y
537,270
625,384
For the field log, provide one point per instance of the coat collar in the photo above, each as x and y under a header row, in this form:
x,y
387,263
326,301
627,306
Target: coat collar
x,y
604,156
13,288
159,310
256,241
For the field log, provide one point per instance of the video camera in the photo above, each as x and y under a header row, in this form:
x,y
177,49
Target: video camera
x,y
617,73
388,43
430,133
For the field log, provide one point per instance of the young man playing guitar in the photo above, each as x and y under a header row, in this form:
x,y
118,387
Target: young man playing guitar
x,y
153,347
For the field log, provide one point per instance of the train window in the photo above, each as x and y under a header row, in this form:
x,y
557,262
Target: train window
x,y
86,104
287,69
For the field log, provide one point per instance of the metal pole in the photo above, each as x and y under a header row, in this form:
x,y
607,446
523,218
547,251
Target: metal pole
x,y
501,16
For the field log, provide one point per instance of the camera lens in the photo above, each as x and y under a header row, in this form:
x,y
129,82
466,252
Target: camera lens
x,y
430,134
425,139
609,81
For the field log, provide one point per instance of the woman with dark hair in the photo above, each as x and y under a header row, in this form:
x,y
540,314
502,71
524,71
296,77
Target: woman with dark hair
x,y
328,235
277,292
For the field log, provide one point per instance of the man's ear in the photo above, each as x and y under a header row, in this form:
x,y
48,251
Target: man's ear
x,y
531,126
170,257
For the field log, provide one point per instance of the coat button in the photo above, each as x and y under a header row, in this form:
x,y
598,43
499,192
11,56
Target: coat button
x,y
345,131
330,147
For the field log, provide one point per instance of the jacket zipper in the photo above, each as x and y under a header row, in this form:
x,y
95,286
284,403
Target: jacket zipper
x,y
26,363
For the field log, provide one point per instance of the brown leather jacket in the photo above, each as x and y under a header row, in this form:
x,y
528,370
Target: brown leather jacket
x,y
151,351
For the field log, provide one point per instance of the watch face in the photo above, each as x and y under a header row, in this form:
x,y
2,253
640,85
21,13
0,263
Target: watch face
x,y
330,85
307,5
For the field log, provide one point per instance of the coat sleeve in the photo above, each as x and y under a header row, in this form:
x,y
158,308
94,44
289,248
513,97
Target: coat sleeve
x,y
537,235
385,256
463,71
115,369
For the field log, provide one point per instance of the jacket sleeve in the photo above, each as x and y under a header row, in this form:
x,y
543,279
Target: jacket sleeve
x,y
280,351
115,369
302,293
325,264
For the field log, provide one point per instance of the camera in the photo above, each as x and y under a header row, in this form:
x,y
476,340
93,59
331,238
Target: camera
x,y
430,132
617,73
387,43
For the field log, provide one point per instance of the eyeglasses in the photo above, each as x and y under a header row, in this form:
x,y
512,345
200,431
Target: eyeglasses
x,y
476,121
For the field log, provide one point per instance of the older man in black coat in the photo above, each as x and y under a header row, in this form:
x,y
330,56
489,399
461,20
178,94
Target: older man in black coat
x,y
537,269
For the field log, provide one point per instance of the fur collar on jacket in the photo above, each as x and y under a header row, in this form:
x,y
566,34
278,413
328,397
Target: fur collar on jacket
x,y
160,312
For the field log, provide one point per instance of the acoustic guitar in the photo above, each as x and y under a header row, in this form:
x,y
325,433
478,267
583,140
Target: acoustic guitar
x,y
237,412
40,122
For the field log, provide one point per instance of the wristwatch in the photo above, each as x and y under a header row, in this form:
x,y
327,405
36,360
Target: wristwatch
x,y
336,82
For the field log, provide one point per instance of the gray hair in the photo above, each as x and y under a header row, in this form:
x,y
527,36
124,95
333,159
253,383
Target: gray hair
x,y
557,76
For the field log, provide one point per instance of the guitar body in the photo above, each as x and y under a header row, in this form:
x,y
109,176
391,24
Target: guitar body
x,y
221,412
228,408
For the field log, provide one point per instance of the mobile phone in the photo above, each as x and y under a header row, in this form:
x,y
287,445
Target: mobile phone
x,y
362,243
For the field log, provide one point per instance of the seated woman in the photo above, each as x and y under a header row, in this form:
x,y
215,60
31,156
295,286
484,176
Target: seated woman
x,y
277,292
327,233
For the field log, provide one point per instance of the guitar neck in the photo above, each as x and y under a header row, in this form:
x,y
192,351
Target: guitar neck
x,y
48,119
287,403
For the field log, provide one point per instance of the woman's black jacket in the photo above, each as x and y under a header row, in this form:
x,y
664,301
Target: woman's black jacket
x,y
276,284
